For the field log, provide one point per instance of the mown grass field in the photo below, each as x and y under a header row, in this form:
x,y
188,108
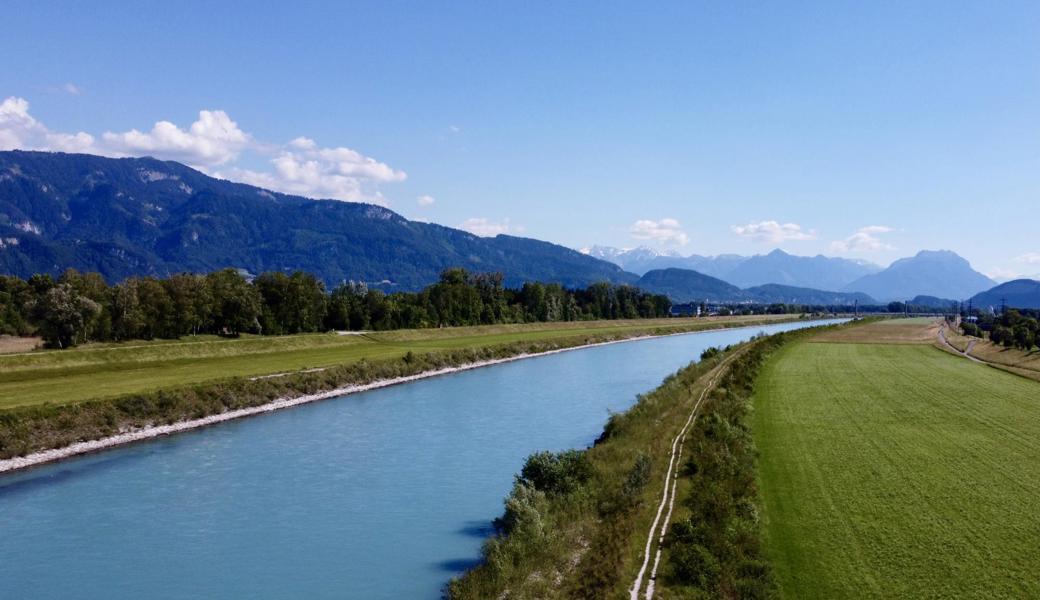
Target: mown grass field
x,y
897,471
109,370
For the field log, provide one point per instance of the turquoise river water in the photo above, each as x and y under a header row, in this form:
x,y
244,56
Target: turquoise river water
x,y
383,494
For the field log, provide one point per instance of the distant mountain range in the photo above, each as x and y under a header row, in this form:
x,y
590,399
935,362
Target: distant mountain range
x,y
1020,293
141,216
935,273
779,267
939,273
685,285
642,259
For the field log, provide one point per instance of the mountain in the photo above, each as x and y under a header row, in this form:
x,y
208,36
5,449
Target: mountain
x,y
642,259
1020,293
776,293
818,272
141,216
932,301
684,285
939,273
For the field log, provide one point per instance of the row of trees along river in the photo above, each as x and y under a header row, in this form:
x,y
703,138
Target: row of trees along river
x,y
80,307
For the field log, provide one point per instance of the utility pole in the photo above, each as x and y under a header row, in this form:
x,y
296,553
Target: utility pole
x,y
1003,306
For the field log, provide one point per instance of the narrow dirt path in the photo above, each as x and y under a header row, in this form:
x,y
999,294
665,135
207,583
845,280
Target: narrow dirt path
x,y
967,351
671,479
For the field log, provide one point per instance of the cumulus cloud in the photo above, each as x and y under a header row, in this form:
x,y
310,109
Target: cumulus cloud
x,y
773,232
71,88
1029,258
866,239
665,231
215,141
19,130
425,200
486,227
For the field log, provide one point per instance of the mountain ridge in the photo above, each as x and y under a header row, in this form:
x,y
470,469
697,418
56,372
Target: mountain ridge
x,y
1017,293
779,267
143,216
686,285
938,273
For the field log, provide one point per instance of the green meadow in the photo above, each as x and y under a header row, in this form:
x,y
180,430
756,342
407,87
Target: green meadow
x,y
109,370
897,471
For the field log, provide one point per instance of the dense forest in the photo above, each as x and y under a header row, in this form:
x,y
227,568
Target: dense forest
x,y
80,307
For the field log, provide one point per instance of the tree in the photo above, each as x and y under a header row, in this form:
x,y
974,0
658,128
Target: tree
x,y
235,304
63,315
1023,336
127,316
292,303
191,303
156,309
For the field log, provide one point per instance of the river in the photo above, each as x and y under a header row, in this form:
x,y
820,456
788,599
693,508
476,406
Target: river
x,y
382,494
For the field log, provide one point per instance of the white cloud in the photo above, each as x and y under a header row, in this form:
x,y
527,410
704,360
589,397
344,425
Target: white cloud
x,y
486,227
425,200
1030,258
665,231
19,130
866,239
773,232
1001,274
214,141
71,88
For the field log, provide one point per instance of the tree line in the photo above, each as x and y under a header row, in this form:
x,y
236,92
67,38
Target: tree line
x,y
80,307
1011,329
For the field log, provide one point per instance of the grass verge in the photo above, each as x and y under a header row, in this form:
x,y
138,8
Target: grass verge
x,y
112,370
897,471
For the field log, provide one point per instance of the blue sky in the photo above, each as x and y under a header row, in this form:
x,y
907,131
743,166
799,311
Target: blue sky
x,y
869,130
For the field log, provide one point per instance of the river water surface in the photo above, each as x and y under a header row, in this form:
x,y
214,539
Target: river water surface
x,y
382,494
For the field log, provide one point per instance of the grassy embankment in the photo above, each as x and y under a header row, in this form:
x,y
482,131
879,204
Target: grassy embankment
x,y
576,524
1015,360
896,470
54,398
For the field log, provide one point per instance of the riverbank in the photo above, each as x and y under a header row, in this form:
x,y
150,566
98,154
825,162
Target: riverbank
x,y
63,432
651,507
108,370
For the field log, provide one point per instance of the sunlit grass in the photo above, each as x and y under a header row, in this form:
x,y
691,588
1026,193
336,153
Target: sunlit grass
x,y
108,370
898,471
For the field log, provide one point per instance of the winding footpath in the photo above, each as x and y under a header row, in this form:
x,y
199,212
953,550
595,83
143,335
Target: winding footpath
x,y
967,351
671,480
